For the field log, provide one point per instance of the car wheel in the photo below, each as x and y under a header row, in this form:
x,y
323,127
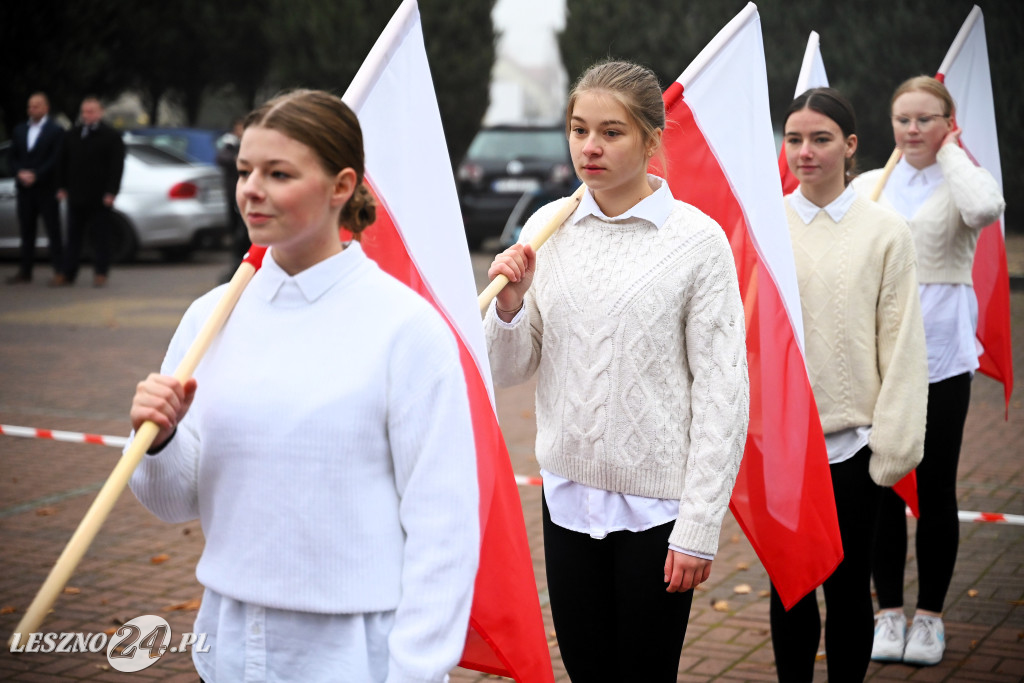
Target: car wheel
x,y
176,254
123,244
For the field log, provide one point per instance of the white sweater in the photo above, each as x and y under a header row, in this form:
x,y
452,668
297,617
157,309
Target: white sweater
x,y
329,455
947,225
637,333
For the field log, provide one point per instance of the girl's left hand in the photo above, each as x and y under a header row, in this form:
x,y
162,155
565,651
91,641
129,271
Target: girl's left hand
x,y
952,137
683,572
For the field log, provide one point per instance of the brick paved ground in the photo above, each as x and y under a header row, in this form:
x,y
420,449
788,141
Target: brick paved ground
x,y
69,359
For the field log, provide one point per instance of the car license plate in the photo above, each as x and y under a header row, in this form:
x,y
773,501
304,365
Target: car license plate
x,y
519,185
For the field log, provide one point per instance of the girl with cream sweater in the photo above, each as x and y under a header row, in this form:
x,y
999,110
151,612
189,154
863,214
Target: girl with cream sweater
x,y
865,353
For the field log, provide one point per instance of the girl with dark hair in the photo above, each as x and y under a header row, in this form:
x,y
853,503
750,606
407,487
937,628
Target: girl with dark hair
x,y
865,354
325,442
631,316
947,200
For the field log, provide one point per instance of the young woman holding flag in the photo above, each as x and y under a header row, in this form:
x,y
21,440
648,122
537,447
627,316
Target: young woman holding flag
x,y
947,201
632,318
325,442
865,353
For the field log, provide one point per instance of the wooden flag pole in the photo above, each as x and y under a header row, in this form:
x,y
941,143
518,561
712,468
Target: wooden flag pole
x,y
886,172
118,479
538,240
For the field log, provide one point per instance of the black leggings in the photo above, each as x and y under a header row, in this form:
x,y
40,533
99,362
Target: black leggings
x,y
938,529
848,627
613,619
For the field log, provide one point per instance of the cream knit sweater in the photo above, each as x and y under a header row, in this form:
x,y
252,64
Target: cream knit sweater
x,y
863,333
637,333
946,226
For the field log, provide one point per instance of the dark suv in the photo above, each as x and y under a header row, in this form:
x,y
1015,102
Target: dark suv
x,y
502,163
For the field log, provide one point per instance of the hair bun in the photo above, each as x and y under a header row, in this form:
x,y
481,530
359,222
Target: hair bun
x,y
360,210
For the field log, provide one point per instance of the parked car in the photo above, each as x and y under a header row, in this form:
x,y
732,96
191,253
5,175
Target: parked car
x,y
196,144
166,202
501,164
527,205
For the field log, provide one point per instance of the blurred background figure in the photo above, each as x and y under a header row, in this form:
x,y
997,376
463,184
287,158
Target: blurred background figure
x,y
90,177
227,155
35,153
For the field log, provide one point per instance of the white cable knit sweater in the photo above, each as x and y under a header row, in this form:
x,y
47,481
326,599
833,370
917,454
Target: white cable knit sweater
x,y
637,333
947,225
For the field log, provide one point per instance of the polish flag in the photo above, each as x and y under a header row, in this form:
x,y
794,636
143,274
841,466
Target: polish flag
x,y
721,158
419,238
966,75
812,75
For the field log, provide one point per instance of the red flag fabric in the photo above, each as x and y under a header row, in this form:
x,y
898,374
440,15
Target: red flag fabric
x,y
419,238
812,75
965,71
721,159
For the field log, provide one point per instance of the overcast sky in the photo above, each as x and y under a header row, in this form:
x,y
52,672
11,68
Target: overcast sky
x,y
527,26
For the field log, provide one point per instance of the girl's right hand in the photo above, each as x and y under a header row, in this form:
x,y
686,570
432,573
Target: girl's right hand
x,y
518,264
164,400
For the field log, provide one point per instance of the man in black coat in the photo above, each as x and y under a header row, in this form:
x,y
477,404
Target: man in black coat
x,y
90,178
35,155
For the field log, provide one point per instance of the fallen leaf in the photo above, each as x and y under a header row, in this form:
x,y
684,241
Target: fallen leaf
x,y
973,645
8,609
763,593
46,512
972,593
526,414
111,631
743,566
551,633
71,590
701,587
160,559
103,667
187,606
735,538
1017,603
720,606
103,601
741,589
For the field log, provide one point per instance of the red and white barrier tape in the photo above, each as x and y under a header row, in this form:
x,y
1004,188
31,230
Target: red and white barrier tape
x,y
56,435
521,479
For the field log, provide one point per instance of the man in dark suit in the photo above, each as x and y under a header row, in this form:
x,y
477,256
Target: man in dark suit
x,y
90,178
35,154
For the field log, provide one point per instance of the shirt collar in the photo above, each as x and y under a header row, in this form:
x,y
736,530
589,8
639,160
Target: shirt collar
x,y
836,209
37,124
654,208
905,175
313,282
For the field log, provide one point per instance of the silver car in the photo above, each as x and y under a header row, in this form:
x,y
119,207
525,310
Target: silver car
x,y
166,202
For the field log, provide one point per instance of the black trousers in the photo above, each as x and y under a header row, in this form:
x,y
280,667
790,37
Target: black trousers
x,y
938,529
849,627
613,618
34,202
96,220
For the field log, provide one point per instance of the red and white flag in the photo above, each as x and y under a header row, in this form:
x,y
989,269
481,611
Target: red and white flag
x,y
721,157
419,238
812,75
966,74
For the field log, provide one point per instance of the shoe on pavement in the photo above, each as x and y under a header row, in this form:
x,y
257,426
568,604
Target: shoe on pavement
x,y
926,641
890,635
60,281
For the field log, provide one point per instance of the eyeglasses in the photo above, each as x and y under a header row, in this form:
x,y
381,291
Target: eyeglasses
x,y
923,122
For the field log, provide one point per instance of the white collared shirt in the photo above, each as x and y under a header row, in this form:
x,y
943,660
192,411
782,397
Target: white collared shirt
x,y
844,444
585,509
950,310
34,129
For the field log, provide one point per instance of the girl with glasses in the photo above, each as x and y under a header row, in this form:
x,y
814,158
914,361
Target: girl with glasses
x,y
947,201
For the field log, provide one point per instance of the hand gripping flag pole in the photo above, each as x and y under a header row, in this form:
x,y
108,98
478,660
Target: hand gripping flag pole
x,y
568,206
118,479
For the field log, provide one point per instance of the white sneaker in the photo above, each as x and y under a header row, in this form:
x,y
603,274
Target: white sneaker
x,y
890,632
926,641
